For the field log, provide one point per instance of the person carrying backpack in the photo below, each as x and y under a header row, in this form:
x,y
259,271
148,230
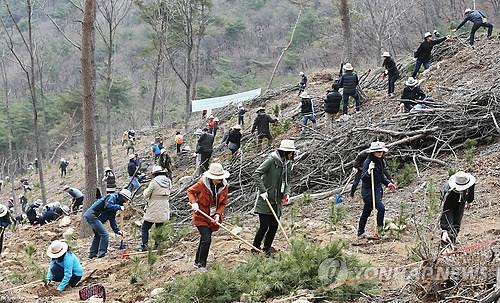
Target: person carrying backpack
x,y
178,141
62,167
110,179
479,20
349,81
307,111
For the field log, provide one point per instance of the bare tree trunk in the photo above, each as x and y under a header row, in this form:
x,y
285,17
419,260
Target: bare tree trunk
x,y
109,83
159,60
188,84
45,142
98,150
88,84
283,52
347,32
7,108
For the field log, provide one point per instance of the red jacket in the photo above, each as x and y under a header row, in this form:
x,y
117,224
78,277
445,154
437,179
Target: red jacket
x,y
201,193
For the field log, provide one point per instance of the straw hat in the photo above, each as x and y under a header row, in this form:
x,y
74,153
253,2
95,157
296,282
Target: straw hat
x,y
261,109
305,95
348,66
198,131
467,10
107,168
377,146
66,187
237,126
3,210
216,119
56,249
131,156
427,35
126,194
162,151
461,181
157,169
411,82
216,172
301,73
386,54
287,145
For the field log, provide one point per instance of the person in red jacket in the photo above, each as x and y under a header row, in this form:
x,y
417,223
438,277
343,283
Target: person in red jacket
x,y
208,195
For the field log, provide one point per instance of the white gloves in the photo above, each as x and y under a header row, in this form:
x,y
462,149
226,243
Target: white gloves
x,y
264,196
217,218
122,208
371,167
354,170
195,207
445,237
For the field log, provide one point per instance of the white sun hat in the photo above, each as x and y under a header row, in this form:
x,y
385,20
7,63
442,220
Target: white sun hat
x,y
386,54
216,172
461,181
377,146
287,145
348,66
56,249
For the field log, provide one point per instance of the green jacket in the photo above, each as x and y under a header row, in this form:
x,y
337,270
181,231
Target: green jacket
x,y
269,177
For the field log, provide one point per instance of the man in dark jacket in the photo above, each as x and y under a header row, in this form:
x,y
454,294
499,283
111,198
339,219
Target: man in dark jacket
x,y
357,169
110,179
307,111
100,212
261,124
423,53
31,213
52,213
241,115
332,104
233,139
456,196
76,197
205,148
411,92
302,83
132,169
479,20
392,72
62,166
349,81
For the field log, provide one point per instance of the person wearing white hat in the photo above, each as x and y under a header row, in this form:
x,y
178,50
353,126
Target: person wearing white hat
x,y
241,115
261,124
132,169
374,165
130,145
392,73
76,197
349,81
31,212
110,179
157,211
155,149
411,93
302,83
210,124
166,162
205,148
423,53
479,20
332,105
233,140
63,166
64,266
209,195
51,212
456,195
307,111
101,211
272,178
5,217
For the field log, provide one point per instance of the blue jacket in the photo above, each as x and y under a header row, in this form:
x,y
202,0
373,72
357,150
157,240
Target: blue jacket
x,y
379,178
71,266
474,17
155,149
105,209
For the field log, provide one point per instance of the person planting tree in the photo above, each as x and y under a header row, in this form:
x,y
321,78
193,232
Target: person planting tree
x,y
64,266
208,196
273,180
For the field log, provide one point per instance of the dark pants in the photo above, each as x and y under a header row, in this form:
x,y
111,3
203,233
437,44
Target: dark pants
x,y
99,246
268,227
345,100
391,84
478,25
451,218
203,246
145,227
418,64
63,171
261,137
367,210
205,161
58,275
241,120
178,146
76,204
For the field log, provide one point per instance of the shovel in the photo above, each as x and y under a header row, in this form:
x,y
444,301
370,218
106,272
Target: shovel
x,y
339,198
277,220
375,227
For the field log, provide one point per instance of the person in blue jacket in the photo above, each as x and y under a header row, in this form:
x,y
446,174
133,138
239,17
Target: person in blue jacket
x,y
479,20
100,212
155,149
374,164
64,266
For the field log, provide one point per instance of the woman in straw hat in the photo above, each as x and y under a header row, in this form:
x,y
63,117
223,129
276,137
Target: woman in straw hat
x,y
273,180
208,195
374,164
64,266
457,193
234,139
392,73
158,205
411,92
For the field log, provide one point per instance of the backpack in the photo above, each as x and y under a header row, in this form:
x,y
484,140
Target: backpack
x,y
178,139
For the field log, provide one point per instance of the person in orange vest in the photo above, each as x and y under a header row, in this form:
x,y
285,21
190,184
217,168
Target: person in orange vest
x,y
210,124
178,141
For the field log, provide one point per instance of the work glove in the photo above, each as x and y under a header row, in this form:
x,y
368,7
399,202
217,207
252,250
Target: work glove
x,y
264,196
445,237
122,208
371,167
354,170
285,200
195,207
120,232
217,218
392,187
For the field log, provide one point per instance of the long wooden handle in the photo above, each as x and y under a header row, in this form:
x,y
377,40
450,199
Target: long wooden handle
x,y
375,227
277,220
20,286
229,231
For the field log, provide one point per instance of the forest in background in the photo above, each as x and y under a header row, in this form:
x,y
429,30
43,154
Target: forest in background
x,y
237,49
